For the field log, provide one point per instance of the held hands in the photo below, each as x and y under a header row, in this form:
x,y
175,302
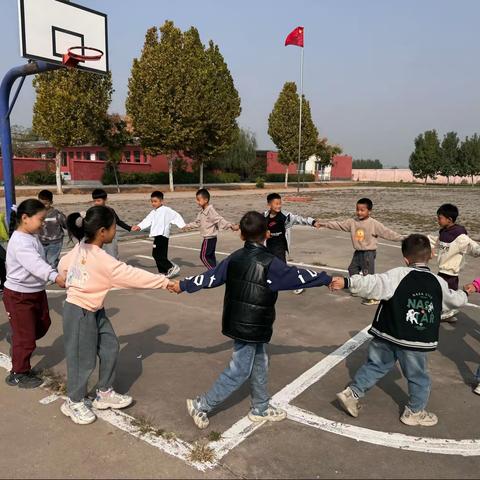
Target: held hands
x,y
318,224
136,228
469,288
338,283
60,281
235,227
174,286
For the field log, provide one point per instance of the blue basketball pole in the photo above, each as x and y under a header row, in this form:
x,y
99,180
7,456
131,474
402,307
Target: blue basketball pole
x,y
13,74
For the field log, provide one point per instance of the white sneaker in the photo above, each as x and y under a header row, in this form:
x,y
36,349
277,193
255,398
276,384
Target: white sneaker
x,y
111,399
371,301
299,291
174,270
199,417
449,316
422,418
477,389
271,414
78,412
349,402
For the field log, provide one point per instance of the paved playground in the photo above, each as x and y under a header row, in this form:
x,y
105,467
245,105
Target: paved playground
x,y
172,349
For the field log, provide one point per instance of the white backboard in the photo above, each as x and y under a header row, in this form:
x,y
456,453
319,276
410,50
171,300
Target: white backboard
x,y
48,28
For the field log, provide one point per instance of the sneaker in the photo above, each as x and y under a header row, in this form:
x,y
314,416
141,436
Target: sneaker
x,y
23,380
199,417
422,418
298,291
449,316
371,301
111,399
174,270
477,389
78,412
271,414
349,402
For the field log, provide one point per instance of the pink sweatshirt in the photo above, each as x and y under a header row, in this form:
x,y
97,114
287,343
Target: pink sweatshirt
x,y
91,273
476,284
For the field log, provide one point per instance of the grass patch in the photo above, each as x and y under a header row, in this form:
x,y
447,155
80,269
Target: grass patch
x,y
214,436
145,426
54,381
201,452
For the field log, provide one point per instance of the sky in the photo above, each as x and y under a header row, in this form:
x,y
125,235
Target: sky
x,y
377,72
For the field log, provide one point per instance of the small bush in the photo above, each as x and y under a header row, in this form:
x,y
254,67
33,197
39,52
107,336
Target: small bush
x,y
260,182
292,177
36,177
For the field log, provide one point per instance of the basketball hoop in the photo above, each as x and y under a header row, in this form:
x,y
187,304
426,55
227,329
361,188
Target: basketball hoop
x,y
72,58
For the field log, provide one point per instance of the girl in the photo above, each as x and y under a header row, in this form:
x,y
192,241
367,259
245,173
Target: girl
x,y
91,272
24,292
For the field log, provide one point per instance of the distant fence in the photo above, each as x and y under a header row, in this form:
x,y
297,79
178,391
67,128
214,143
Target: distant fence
x,y
402,175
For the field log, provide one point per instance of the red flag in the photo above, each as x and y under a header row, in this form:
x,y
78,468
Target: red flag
x,y
295,37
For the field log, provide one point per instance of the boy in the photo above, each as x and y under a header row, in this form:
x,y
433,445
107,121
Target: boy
x,y
364,231
99,197
52,231
252,276
209,222
279,225
159,221
451,244
405,327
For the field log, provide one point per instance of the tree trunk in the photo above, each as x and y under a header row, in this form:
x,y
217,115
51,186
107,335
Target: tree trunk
x,y
286,177
472,181
201,174
114,165
448,179
58,174
170,174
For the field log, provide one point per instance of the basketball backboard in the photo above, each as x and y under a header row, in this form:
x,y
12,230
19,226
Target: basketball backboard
x,y
48,28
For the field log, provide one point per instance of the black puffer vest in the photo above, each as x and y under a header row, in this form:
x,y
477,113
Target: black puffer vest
x,y
249,306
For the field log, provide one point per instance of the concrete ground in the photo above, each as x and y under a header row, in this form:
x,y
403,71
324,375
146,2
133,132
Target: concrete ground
x,y
172,349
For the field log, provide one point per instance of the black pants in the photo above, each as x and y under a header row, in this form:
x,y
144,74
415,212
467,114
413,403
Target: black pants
x,y
279,249
207,252
160,254
3,268
452,280
363,261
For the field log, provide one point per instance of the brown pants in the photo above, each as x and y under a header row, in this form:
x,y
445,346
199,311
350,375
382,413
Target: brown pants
x,y
30,320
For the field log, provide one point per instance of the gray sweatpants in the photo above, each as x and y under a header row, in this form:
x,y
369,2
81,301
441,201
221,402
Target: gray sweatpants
x,y
363,262
88,334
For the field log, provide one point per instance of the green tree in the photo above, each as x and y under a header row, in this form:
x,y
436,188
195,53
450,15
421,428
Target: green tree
x,y
425,160
450,150
22,138
241,157
283,127
114,136
469,157
70,109
214,101
367,163
325,151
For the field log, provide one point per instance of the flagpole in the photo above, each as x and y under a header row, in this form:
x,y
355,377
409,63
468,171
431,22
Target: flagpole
x,y
300,121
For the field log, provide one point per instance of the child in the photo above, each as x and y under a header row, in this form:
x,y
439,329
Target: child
x,y
279,225
51,234
253,276
99,197
364,231
24,293
159,221
405,327
209,222
91,272
474,287
451,245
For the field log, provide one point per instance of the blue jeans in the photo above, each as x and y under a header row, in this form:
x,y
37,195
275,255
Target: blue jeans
x,y
249,362
382,357
52,253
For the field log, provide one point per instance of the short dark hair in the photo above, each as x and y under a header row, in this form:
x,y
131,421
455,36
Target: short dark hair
x,y
448,211
157,194
253,227
96,218
29,207
416,248
46,195
365,201
273,196
204,193
99,193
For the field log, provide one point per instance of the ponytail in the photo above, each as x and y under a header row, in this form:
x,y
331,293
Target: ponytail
x,y
86,226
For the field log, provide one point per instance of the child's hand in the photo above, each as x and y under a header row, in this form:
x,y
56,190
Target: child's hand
x,y
470,288
174,287
318,224
136,228
338,283
235,227
60,281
